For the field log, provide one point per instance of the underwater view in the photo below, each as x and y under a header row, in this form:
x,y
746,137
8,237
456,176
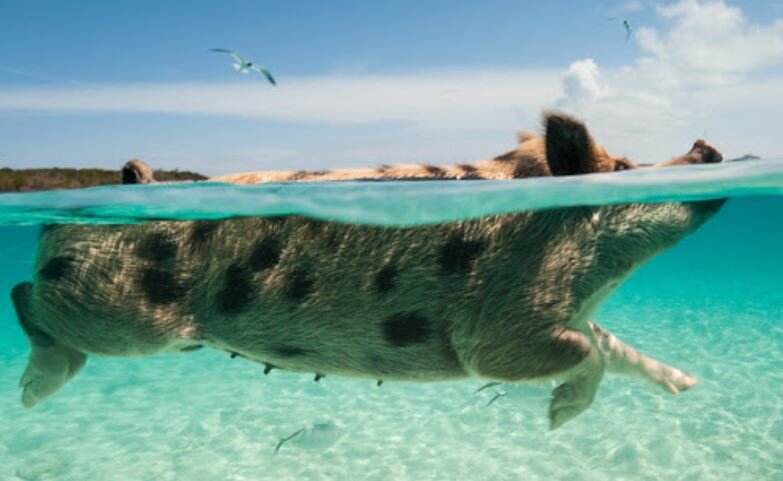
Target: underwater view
x,y
713,306
351,240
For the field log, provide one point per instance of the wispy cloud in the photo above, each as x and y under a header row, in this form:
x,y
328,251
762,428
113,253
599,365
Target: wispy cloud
x,y
449,99
39,76
627,7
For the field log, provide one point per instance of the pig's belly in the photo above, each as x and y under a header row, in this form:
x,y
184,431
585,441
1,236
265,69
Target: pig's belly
x,y
328,349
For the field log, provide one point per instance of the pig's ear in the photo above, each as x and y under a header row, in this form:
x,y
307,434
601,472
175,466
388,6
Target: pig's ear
x,y
569,147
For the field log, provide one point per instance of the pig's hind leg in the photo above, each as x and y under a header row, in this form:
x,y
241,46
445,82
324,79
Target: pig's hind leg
x,y
623,359
51,363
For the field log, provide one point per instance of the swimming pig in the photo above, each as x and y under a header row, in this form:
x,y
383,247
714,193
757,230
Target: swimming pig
x,y
506,298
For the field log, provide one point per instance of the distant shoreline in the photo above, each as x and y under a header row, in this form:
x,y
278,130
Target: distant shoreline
x,y
33,180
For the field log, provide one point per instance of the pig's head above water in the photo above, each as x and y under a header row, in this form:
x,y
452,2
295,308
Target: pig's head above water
x,y
506,298
136,171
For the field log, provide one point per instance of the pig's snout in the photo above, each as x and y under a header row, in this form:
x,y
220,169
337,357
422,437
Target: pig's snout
x,y
704,153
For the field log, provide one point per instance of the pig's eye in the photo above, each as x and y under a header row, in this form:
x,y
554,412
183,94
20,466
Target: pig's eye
x,y
623,164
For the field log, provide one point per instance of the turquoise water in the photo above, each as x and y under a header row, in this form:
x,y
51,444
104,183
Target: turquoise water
x,y
712,306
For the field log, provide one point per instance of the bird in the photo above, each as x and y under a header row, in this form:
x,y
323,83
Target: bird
x,y
626,25
245,66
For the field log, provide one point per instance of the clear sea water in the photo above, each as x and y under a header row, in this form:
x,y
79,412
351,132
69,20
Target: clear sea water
x,y
712,306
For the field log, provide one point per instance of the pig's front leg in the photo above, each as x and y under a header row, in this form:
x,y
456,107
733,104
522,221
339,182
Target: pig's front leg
x,y
622,359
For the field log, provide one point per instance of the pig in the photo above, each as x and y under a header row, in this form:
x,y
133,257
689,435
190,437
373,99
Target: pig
x,y
506,298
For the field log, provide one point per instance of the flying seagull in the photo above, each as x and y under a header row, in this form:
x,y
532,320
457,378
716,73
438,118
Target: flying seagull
x,y
627,29
245,66
626,25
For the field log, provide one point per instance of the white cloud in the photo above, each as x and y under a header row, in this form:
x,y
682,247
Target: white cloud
x,y
708,72
711,37
581,83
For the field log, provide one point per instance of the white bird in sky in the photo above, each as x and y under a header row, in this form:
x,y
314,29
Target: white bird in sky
x,y
626,25
245,66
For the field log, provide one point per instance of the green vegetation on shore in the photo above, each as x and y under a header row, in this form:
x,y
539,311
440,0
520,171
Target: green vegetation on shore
x,y
28,180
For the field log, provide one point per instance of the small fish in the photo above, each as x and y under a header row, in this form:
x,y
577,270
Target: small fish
x,y
497,396
287,438
245,66
313,436
485,386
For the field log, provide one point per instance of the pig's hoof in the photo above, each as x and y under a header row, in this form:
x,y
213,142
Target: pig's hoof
x,y
572,398
47,370
672,379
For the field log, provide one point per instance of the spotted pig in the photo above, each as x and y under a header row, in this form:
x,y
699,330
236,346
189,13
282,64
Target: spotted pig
x,y
505,298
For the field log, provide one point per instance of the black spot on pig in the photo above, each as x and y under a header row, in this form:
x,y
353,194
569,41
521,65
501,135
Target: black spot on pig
x,y
469,172
162,287
56,268
406,329
203,231
238,290
157,247
386,278
458,254
467,168
265,254
298,285
434,170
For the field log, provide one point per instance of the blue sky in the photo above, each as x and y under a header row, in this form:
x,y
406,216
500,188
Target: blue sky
x,y
99,41
94,83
